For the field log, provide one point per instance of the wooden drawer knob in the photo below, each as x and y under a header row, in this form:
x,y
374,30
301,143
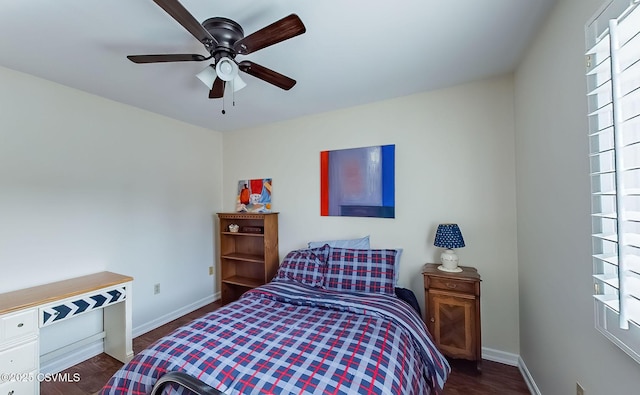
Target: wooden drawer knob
x,y
432,319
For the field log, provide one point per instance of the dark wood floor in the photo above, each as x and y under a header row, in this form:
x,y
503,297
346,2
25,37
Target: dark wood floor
x,y
496,378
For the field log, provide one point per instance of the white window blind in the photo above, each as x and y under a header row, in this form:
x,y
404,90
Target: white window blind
x,y
613,82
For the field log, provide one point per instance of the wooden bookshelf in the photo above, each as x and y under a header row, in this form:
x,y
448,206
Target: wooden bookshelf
x,y
248,257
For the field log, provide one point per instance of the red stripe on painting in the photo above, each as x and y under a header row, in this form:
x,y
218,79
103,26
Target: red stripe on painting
x,y
324,183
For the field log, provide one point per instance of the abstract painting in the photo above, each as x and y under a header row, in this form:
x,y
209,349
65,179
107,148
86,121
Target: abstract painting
x,y
254,196
358,182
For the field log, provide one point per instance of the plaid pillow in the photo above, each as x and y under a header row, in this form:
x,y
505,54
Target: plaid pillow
x,y
304,266
361,270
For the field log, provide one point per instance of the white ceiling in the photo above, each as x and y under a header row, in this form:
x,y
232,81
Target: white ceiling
x,y
354,51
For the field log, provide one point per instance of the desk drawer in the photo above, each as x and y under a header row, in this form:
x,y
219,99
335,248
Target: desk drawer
x,y
20,359
453,285
17,325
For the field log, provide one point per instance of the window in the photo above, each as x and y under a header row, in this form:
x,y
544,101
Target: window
x,y
613,82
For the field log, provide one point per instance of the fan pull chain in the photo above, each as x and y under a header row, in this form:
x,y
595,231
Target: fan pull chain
x,y
233,97
223,89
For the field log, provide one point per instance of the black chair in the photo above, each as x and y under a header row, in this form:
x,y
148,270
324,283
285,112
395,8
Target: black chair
x,y
189,382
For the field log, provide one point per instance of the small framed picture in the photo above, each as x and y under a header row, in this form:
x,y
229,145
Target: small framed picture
x,y
254,196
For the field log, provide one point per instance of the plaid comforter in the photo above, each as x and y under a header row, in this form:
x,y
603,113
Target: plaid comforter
x,y
287,338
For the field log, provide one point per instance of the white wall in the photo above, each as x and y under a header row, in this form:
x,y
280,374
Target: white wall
x,y
87,184
559,343
454,163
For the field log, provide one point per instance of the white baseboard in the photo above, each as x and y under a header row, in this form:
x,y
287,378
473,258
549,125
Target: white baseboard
x,y
66,361
158,322
533,388
506,358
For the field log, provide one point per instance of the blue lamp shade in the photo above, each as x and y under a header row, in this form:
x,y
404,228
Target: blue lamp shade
x,y
448,236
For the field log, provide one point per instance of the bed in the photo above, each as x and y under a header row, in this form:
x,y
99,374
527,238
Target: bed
x,y
329,323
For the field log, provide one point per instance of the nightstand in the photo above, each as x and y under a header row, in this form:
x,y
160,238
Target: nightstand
x,y
452,311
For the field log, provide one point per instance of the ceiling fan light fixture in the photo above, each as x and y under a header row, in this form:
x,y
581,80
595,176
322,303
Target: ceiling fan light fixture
x,y
226,69
238,83
208,76
223,39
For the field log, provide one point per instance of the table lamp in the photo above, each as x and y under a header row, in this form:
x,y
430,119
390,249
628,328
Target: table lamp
x,y
449,236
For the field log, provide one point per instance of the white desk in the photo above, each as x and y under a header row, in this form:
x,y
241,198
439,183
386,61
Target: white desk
x,y
24,312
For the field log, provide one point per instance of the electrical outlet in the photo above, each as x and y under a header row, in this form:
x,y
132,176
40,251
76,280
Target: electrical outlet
x,y
156,289
579,389
211,270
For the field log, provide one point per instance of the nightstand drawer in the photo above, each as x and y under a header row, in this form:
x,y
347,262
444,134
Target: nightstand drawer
x,y
449,284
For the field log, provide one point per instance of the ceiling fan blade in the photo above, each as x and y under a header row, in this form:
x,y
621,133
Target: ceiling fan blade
x,y
166,58
183,17
268,75
218,89
284,29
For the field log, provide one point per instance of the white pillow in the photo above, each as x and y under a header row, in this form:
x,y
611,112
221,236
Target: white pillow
x,y
356,244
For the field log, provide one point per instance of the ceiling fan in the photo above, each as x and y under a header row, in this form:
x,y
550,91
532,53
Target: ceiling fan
x,y
224,39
